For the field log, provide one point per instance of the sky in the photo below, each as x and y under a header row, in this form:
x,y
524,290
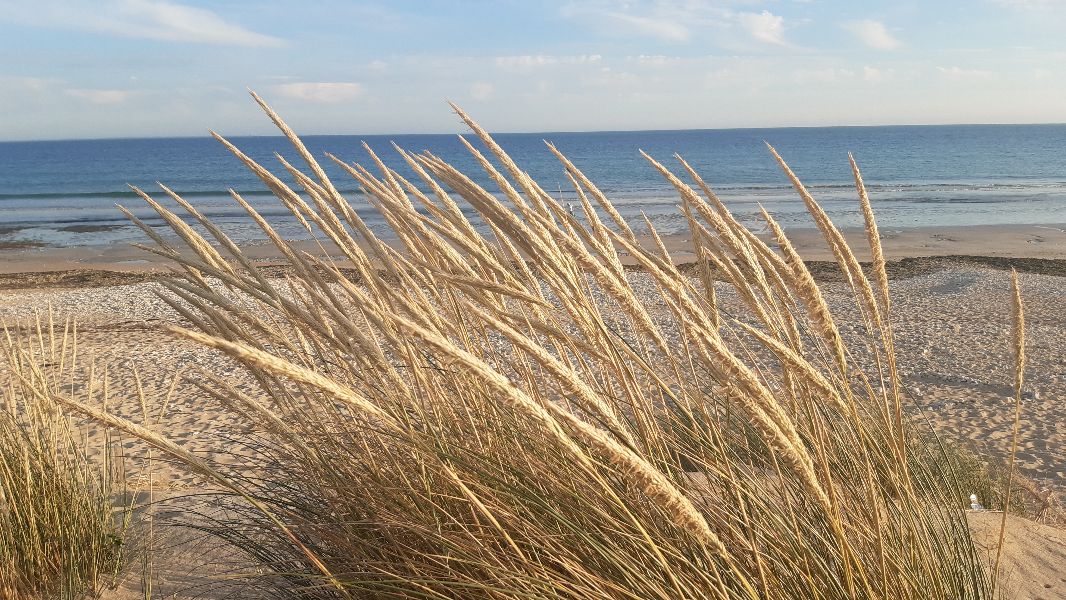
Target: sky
x,y
146,68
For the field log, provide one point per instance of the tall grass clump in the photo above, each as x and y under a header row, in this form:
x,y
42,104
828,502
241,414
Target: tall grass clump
x,y
61,529
447,413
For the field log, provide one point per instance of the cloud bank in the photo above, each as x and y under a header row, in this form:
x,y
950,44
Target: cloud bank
x,y
146,19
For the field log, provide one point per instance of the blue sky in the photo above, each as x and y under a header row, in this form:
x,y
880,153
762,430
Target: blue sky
x,y
138,68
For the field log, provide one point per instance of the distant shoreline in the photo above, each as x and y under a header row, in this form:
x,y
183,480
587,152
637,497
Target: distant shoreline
x,y
274,134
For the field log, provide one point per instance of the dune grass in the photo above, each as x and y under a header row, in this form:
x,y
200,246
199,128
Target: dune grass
x,y
61,536
523,415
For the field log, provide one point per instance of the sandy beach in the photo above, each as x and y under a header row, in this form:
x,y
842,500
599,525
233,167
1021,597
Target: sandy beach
x,y
1020,242
952,318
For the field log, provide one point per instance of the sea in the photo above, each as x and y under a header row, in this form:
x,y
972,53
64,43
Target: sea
x,y
63,193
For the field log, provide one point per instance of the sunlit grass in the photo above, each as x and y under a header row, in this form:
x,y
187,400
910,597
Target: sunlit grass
x,y
519,415
61,526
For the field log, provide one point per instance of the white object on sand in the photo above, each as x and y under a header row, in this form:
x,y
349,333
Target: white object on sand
x,y
974,504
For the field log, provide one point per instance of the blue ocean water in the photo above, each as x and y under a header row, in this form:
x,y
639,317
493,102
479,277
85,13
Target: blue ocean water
x,y
63,193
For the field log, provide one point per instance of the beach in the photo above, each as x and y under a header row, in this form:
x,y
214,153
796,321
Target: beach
x,y
950,288
1032,242
951,314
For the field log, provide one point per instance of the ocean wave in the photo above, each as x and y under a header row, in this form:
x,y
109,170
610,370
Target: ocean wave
x,y
627,190
132,194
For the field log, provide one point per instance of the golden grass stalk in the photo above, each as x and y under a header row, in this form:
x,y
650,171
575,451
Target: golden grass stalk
x,y
62,512
1018,340
519,414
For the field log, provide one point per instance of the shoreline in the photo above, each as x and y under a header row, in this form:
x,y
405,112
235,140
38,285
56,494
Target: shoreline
x,y
1027,248
822,270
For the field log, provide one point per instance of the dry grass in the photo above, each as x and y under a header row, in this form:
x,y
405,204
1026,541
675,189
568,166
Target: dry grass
x,y
507,416
61,535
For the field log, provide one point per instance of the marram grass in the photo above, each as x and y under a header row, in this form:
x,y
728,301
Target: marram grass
x,y
62,527
448,414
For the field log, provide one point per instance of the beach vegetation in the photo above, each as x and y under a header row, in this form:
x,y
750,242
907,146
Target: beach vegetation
x,y
499,397
63,519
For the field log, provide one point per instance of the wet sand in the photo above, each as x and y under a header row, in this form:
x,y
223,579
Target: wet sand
x,y
1016,242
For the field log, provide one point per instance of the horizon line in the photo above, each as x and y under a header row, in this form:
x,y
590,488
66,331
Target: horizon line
x,y
207,133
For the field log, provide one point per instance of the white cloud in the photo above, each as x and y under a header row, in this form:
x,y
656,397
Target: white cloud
x,y
529,61
664,19
609,78
872,33
1031,4
826,75
876,75
1042,73
103,97
676,20
525,61
656,60
764,27
663,28
377,65
961,73
146,19
26,84
481,91
689,87
322,92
